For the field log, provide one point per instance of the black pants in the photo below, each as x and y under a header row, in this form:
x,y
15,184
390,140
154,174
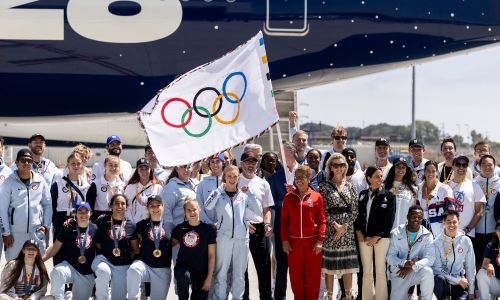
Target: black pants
x,y
443,288
479,244
187,277
281,259
261,255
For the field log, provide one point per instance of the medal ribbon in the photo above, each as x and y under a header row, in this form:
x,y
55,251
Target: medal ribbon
x,y
82,241
448,251
115,238
28,280
157,234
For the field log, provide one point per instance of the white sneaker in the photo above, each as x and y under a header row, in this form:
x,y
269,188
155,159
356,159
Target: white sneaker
x,y
412,297
68,295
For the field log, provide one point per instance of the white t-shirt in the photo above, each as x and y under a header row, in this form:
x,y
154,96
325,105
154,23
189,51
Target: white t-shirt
x,y
405,198
262,191
137,197
358,180
125,170
467,194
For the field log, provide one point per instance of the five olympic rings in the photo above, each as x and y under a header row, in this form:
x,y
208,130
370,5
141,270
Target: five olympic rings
x,y
204,112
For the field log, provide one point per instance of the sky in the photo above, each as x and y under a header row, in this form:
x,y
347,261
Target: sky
x,y
460,93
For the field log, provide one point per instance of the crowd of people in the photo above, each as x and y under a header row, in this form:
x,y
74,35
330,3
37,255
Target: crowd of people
x,y
123,233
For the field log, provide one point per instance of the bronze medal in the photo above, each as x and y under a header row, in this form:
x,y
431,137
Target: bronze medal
x,y
157,253
82,259
116,252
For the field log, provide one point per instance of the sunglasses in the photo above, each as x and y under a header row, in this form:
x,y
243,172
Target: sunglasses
x,y
463,165
340,137
337,166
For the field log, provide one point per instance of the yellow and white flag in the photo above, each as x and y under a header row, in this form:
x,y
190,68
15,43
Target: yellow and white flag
x,y
213,107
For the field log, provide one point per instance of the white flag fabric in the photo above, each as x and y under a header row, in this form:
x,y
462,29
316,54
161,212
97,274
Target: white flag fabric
x,y
213,107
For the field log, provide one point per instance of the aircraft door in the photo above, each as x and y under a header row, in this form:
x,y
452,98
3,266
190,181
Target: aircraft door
x,y
286,17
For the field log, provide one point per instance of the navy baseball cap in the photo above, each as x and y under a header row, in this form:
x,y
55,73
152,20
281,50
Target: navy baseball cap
x,y
416,142
83,205
113,138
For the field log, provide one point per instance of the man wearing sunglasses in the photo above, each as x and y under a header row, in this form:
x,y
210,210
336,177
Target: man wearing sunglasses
x,y
468,196
339,142
26,208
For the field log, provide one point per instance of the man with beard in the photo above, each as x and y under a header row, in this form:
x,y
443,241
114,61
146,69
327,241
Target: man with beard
x,y
353,175
114,147
257,150
41,165
445,168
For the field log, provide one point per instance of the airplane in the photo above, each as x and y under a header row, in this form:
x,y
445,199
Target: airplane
x,y
68,65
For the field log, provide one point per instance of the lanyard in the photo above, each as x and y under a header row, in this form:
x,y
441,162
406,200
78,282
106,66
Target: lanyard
x,y
28,280
116,238
448,251
156,234
82,241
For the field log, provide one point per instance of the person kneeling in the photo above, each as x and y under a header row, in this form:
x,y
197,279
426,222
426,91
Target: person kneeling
x,y
77,241
410,256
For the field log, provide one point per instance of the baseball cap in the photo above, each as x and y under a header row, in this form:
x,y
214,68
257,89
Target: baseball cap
x,y
37,135
31,243
348,150
143,162
460,157
83,205
248,156
25,152
113,138
218,156
416,142
382,142
398,160
154,198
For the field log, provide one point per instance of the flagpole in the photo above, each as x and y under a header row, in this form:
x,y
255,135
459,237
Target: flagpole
x,y
282,151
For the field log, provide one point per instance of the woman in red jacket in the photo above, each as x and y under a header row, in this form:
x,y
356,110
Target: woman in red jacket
x,y
303,225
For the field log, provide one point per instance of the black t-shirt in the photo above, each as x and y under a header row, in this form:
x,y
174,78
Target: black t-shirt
x,y
71,246
143,230
105,239
492,252
446,171
194,241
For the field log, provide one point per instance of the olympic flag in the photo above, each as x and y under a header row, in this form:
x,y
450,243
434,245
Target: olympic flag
x,y
213,107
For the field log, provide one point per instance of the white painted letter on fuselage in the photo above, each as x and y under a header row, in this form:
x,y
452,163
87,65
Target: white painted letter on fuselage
x,y
93,20
30,23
